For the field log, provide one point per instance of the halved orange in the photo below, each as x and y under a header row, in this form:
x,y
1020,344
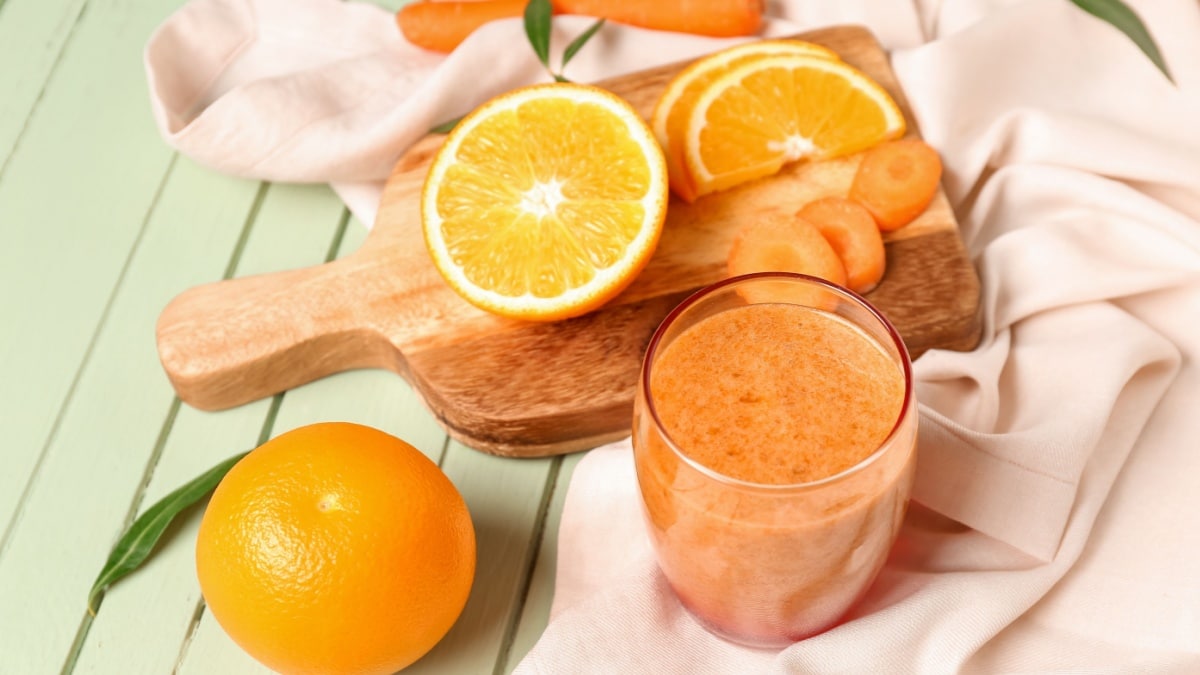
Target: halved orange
x,y
776,109
545,202
674,107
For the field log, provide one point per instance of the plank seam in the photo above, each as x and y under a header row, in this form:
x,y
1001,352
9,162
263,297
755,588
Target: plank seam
x,y
441,460
85,625
12,150
155,455
190,635
268,425
264,434
239,247
168,424
530,562
339,235
31,482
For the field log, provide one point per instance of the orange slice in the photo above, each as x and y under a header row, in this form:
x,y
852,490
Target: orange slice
x,y
545,202
776,109
670,116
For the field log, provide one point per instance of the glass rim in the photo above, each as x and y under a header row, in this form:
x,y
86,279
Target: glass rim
x,y
861,465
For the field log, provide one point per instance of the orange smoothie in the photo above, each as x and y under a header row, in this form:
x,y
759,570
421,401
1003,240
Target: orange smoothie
x,y
774,502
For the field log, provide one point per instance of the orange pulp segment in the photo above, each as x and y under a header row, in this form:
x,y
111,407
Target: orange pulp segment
x,y
675,105
761,115
545,202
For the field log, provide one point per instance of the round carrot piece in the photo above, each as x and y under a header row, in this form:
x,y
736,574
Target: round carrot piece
x,y
784,244
896,181
851,232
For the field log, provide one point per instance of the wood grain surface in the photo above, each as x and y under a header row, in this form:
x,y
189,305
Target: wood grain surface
x,y
533,389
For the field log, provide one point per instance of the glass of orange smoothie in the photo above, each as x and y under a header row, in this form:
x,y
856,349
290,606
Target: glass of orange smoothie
x,y
774,436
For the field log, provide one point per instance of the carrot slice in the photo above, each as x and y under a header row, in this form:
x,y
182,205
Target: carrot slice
x,y
716,18
853,235
441,26
896,181
784,244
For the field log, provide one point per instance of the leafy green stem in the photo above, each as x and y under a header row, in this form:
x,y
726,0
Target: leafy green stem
x,y
539,15
1128,22
138,541
538,18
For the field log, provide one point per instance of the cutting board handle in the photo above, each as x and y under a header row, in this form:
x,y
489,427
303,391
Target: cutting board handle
x,y
230,342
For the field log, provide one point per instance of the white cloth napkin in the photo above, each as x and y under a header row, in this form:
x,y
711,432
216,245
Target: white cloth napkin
x,y
1053,522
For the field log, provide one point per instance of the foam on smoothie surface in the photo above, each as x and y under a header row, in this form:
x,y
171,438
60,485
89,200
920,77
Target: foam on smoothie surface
x,y
776,393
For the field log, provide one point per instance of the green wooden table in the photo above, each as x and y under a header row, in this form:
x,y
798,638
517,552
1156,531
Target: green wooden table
x,y
102,224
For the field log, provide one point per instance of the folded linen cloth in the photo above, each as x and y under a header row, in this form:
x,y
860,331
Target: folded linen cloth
x,y
329,91
1053,494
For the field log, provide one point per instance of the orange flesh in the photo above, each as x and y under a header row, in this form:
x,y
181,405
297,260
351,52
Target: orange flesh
x,y
680,98
853,235
779,109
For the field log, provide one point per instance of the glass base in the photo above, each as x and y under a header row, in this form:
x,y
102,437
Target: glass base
x,y
766,641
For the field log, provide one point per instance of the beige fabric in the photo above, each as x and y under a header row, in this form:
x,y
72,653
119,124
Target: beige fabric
x,y
1054,518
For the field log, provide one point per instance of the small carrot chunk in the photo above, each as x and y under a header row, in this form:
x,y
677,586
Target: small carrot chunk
x,y
896,181
715,18
784,244
853,235
441,26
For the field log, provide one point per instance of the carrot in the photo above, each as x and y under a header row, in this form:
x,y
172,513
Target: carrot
x,y
441,26
851,232
784,244
896,181
716,18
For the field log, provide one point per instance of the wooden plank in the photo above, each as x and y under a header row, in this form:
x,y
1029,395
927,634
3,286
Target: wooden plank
x,y
535,613
32,35
504,497
97,459
73,199
367,397
210,650
370,397
146,617
505,500
144,620
235,341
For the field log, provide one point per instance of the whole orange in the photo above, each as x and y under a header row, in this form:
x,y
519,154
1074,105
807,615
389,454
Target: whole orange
x,y
336,548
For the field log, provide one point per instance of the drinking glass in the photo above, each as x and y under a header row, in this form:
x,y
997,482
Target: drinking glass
x,y
768,564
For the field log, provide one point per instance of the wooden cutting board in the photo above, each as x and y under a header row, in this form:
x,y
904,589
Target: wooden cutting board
x,y
530,389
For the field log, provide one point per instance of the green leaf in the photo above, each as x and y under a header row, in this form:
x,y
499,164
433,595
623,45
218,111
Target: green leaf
x,y
580,41
446,127
138,541
1127,21
537,28
559,78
